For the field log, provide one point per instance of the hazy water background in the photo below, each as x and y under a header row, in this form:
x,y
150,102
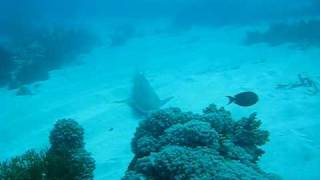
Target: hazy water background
x,y
196,50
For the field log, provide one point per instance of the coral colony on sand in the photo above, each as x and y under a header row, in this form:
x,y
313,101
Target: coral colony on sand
x,y
32,57
302,34
171,144
66,159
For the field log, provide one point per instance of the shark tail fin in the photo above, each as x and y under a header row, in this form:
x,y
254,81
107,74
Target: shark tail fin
x,y
166,100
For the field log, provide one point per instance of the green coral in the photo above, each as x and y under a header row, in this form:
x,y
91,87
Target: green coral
x,y
73,165
192,134
248,135
66,159
66,134
220,119
31,166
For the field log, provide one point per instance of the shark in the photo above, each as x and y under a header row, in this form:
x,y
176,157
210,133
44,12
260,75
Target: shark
x,y
143,98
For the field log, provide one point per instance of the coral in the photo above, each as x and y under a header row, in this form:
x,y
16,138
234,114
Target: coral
x,y
145,139
65,159
31,166
231,151
163,119
41,50
192,134
77,164
302,34
6,66
220,119
145,145
179,162
171,144
248,135
132,175
66,134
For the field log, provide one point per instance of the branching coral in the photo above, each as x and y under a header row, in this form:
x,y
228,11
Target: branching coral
x,y
65,159
76,165
220,119
248,135
171,144
31,165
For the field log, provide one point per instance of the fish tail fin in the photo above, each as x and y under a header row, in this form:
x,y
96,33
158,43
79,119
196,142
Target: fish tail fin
x,y
164,101
231,99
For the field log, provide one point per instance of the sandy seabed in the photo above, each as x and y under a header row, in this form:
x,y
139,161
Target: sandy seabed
x,y
197,67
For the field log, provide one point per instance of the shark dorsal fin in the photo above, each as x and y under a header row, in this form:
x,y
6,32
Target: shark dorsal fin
x,y
143,97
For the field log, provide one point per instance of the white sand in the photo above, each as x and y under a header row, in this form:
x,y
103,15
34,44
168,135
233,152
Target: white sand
x,y
197,67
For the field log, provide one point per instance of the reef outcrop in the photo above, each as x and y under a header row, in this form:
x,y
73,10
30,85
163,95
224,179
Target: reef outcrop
x,y
171,144
66,158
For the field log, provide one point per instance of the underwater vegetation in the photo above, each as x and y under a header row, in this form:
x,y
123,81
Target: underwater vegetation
x,y
303,34
30,165
43,50
66,158
171,144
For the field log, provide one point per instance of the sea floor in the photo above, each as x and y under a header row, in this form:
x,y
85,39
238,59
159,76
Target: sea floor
x,y
197,67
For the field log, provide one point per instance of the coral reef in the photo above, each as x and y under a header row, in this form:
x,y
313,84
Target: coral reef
x,y
42,50
50,50
6,66
301,34
30,165
220,13
65,159
171,144
66,134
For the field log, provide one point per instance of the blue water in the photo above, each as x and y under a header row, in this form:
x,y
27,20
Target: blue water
x,y
74,59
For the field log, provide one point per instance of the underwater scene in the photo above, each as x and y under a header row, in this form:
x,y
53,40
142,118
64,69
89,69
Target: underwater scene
x,y
160,90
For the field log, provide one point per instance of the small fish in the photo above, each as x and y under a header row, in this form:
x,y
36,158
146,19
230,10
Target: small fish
x,y
244,99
